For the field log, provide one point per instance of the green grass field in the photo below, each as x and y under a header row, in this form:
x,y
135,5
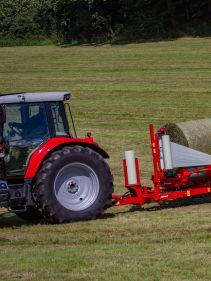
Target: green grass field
x,y
117,91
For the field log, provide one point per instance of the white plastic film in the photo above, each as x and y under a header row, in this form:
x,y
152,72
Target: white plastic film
x,y
183,156
131,166
167,152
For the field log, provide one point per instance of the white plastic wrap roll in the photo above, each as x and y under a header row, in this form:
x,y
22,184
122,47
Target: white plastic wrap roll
x,y
131,166
167,152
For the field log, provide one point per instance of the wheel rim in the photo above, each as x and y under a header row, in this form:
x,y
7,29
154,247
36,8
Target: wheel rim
x,y
76,186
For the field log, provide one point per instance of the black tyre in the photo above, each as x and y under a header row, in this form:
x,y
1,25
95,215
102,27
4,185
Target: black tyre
x,y
31,214
74,183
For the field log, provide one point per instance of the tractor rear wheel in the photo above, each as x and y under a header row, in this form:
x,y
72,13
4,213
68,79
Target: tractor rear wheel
x,y
74,183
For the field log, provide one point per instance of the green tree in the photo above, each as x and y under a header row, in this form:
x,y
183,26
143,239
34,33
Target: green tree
x,y
24,19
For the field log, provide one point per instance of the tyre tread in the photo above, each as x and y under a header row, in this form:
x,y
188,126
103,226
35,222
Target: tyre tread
x,y
39,189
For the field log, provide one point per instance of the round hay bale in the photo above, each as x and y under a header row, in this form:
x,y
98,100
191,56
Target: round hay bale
x,y
195,134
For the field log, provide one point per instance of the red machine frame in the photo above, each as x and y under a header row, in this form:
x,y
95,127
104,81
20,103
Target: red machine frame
x,y
181,183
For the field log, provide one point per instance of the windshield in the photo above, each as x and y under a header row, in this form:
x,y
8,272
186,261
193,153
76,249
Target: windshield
x,y
60,123
25,130
69,120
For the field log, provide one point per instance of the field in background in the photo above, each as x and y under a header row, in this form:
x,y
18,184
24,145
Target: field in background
x,y
117,91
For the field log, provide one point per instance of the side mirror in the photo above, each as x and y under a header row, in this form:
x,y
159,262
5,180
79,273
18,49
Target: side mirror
x,y
2,114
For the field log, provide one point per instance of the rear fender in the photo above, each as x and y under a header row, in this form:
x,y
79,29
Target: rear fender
x,y
54,144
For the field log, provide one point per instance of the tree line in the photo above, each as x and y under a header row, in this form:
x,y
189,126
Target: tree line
x,y
102,20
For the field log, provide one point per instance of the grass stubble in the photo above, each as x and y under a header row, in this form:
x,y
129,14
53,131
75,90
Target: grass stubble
x,y
117,91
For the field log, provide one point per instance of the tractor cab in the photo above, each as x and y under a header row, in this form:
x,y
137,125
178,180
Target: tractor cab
x,y
45,170
27,121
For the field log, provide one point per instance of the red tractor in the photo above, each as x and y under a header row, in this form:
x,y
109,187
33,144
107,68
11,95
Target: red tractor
x,y
46,171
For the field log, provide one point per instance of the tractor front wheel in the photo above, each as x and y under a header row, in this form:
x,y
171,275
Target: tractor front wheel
x,y
74,183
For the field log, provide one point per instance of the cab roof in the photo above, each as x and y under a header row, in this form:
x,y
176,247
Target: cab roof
x,y
34,97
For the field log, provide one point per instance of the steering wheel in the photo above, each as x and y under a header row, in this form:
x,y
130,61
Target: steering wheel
x,y
16,128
